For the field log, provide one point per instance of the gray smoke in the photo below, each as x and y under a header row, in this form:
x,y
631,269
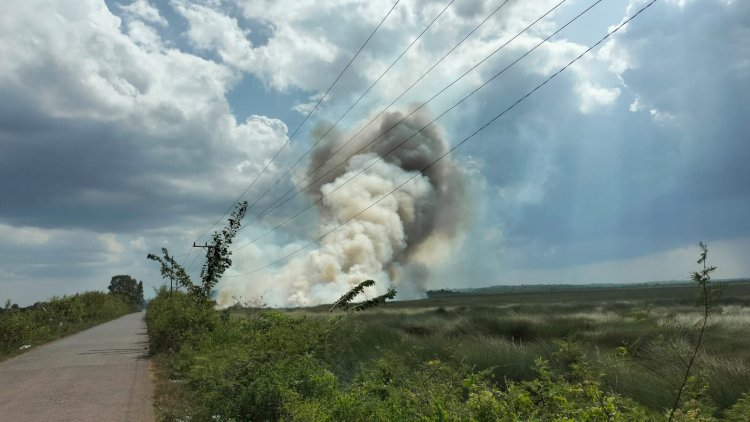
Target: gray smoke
x,y
394,242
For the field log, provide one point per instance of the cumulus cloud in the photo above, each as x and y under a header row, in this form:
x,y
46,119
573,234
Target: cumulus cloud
x,y
108,129
116,130
127,124
594,96
142,9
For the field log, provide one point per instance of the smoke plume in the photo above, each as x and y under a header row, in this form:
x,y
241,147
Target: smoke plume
x,y
395,242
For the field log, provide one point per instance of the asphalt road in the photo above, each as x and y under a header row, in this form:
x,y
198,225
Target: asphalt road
x,y
101,374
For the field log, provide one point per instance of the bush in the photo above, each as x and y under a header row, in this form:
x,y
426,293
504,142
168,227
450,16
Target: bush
x,y
174,318
273,366
266,365
740,411
60,316
246,369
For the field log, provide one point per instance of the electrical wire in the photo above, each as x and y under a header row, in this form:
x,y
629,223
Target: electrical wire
x,y
274,205
288,140
463,141
495,76
314,144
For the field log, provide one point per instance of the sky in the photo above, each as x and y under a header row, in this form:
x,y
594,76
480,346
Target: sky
x,y
128,126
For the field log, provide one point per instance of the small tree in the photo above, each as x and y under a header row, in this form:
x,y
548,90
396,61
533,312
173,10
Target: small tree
x,y
129,289
345,301
142,300
172,270
217,259
218,253
705,291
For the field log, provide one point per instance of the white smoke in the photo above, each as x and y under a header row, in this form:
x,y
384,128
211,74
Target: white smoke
x,y
394,242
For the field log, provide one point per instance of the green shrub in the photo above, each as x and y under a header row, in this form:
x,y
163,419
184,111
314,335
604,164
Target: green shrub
x,y
273,366
566,362
60,316
739,411
173,318
246,369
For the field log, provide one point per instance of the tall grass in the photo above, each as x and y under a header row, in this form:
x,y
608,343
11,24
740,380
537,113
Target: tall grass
x,y
395,363
21,328
507,339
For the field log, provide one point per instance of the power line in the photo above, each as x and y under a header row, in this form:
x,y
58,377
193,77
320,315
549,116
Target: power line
x,y
463,141
314,144
495,76
274,205
288,140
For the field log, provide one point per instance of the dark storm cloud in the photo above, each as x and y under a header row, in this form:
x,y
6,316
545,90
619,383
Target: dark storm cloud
x,y
83,173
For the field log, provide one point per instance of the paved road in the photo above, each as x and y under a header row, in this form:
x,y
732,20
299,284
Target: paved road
x,y
101,374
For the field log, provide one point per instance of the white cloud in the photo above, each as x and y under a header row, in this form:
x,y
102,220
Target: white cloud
x,y
288,58
144,10
662,116
635,105
110,243
25,236
594,96
306,108
138,243
122,131
212,30
174,101
144,36
301,54
140,125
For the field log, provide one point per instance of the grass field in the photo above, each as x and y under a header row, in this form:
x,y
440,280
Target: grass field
x,y
419,359
656,326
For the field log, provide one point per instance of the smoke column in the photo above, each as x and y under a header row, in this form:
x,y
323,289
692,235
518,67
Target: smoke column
x,y
395,242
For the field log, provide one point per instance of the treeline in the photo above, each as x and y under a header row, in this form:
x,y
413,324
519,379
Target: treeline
x,y
24,327
556,288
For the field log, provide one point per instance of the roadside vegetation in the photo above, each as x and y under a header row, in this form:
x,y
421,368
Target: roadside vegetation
x,y
621,360
582,361
24,327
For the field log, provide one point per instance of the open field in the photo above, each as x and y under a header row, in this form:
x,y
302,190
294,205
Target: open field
x,y
423,359
654,327
736,292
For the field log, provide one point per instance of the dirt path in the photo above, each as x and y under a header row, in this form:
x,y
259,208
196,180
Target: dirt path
x,y
101,374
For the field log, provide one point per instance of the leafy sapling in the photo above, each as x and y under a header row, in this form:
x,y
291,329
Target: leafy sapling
x,y
218,253
345,301
347,297
171,269
702,279
376,301
217,259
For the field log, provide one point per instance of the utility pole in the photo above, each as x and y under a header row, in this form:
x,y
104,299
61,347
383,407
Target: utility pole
x,y
208,248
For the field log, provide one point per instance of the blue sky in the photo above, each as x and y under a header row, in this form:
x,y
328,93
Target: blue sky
x,y
126,126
